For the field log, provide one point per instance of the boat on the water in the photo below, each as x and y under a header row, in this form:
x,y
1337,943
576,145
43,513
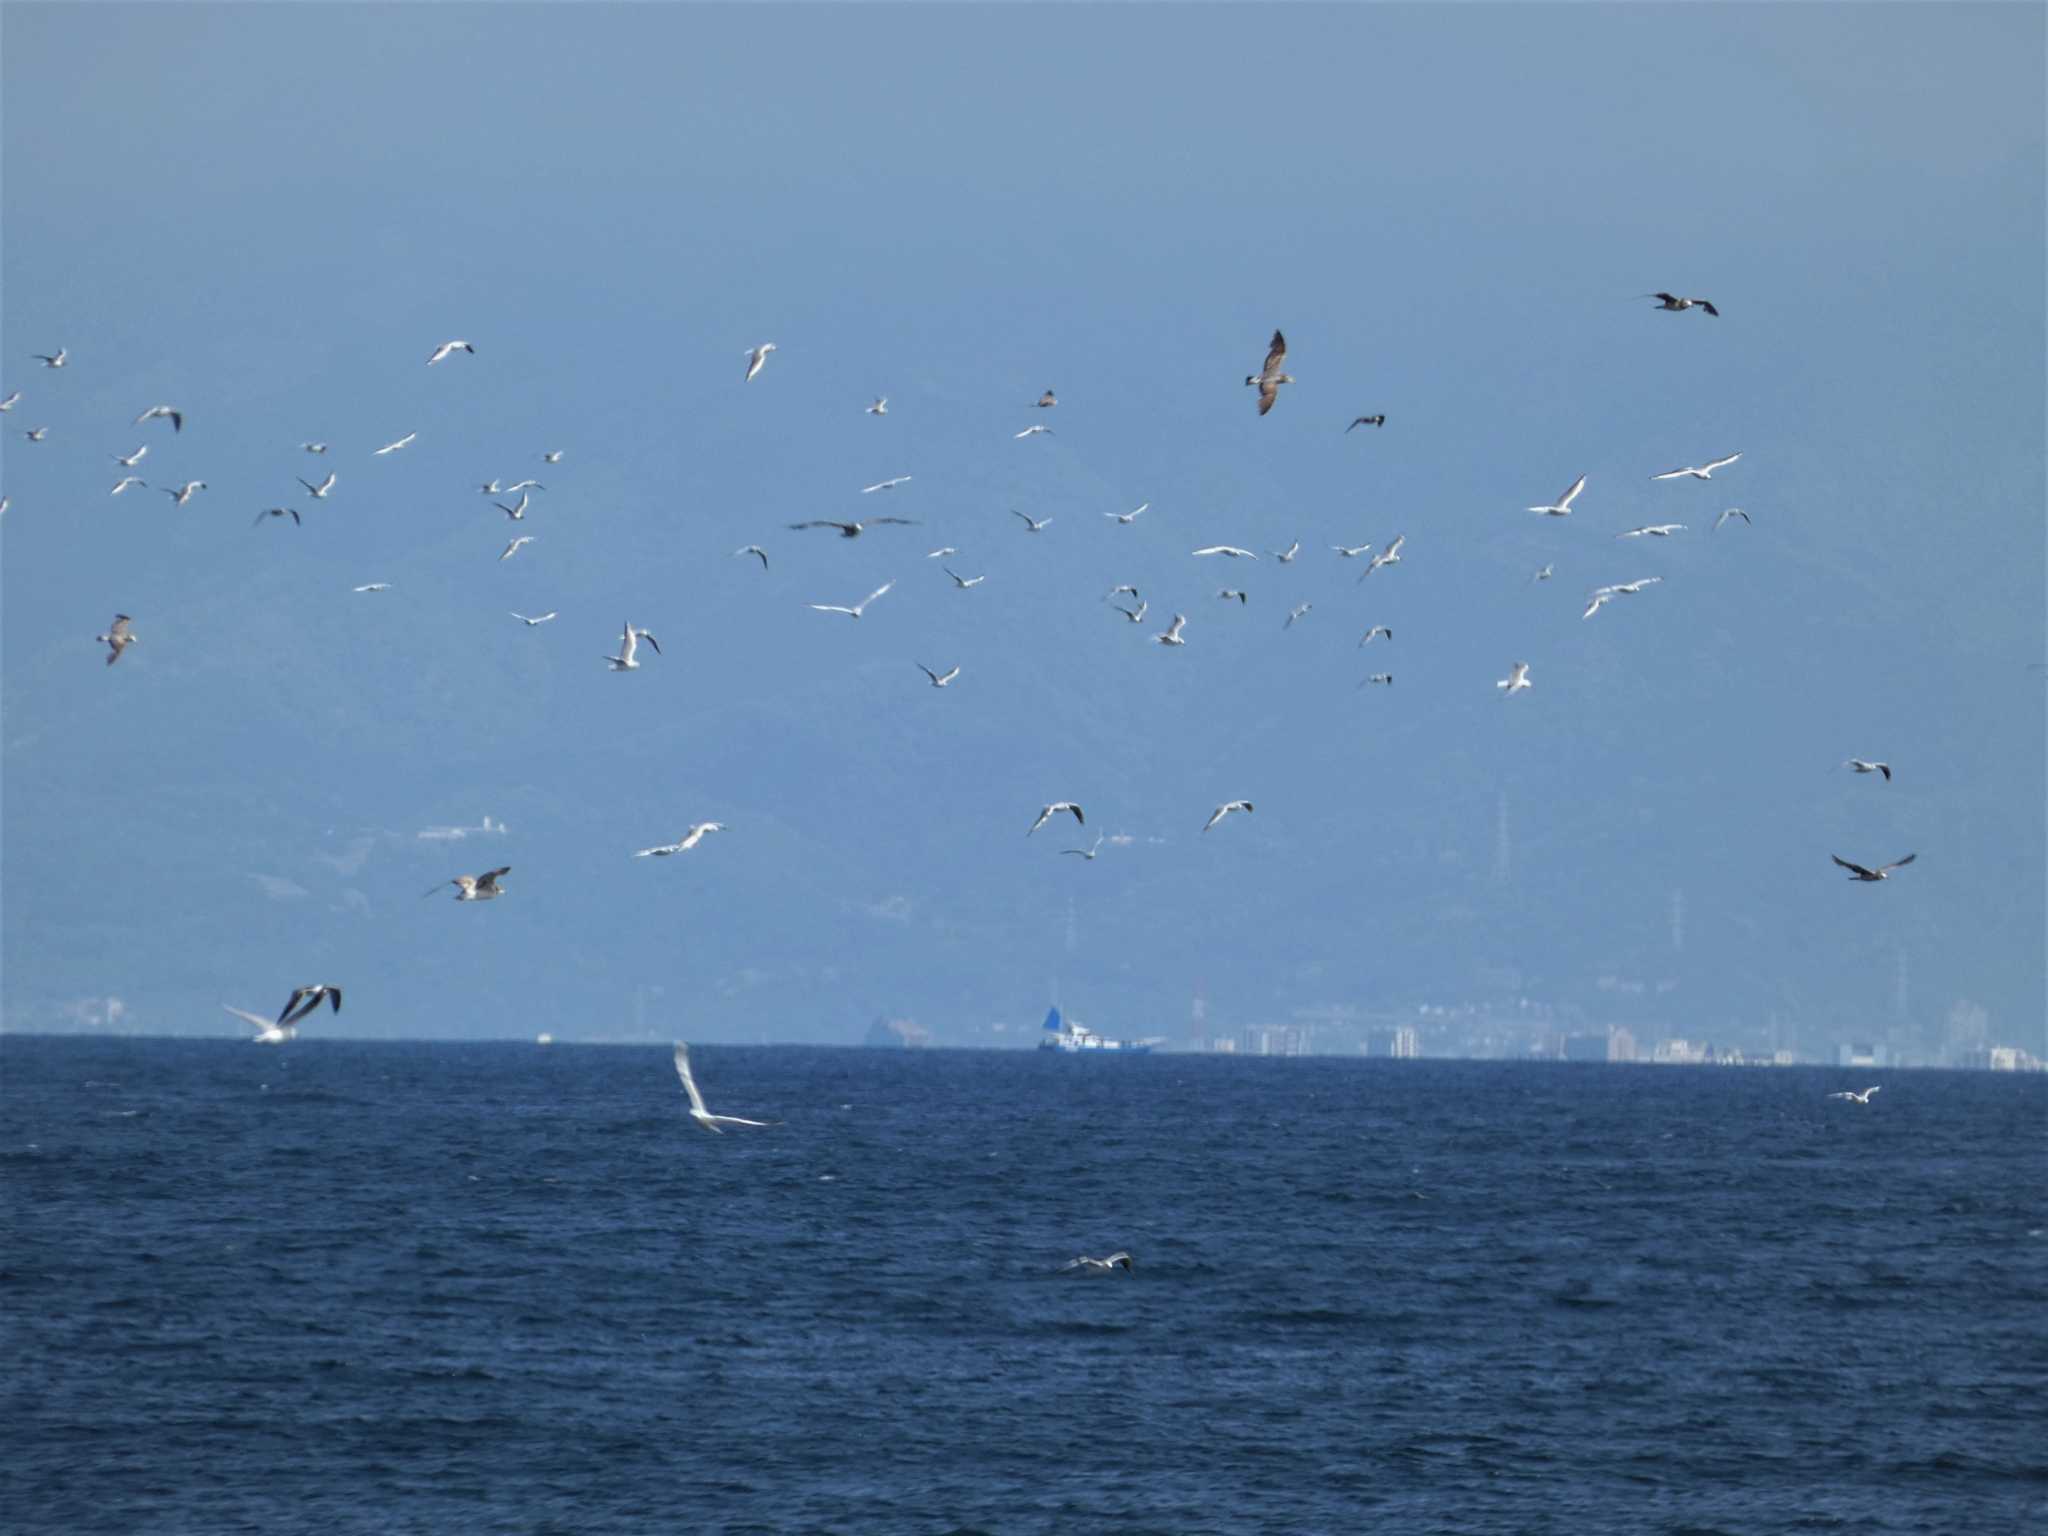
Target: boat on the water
x,y
1062,1034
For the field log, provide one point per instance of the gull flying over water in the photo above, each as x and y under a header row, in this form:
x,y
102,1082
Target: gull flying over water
x,y
36,434
963,582
125,481
11,401
394,447
1055,809
483,887
1698,471
290,512
1286,556
513,548
757,551
551,456
941,552
1386,678
133,459
1269,378
690,839
314,447
1352,551
1172,634
1227,593
1604,595
629,643
1224,810
1135,615
119,636
185,492
1047,401
517,513
372,586
1516,680
538,619
1377,629
1367,421
756,357
1862,767
938,680
1126,518
1730,512
1085,853
171,414
1300,611
1562,507
318,492
1882,872
880,407
885,485
448,348
1031,526
307,1000
267,1033
858,608
1854,1097
1391,555
1230,551
1033,432
55,359
1652,530
1673,302
852,530
698,1112
521,485
1102,1266
1545,574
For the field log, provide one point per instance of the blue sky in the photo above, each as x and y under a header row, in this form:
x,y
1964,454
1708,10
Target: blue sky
x,y
269,216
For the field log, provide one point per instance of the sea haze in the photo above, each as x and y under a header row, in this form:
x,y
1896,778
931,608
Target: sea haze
x,y
343,1287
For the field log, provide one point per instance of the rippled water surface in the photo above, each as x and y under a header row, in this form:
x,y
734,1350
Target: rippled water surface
x,y
346,1287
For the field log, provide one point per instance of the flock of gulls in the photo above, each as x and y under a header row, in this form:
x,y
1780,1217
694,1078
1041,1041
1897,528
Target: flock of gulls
x,y
1267,381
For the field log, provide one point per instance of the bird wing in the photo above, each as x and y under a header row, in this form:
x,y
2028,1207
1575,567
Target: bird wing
x,y
1720,463
822,522
488,881
830,608
689,1081
1902,863
298,993
885,586
1276,354
1268,393
908,522
1673,474
1578,485
736,1120
644,635
1856,869
1709,308
247,1017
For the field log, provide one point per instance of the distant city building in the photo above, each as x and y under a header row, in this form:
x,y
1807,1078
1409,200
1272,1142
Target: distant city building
x,y
1275,1040
1861,1053
1678,1053
1400,1043
2001,1058
1621,1045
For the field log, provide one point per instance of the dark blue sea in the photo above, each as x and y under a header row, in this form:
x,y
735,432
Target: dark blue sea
x,y
341,1287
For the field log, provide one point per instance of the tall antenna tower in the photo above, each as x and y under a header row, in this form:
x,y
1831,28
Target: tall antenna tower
x,y
1503,845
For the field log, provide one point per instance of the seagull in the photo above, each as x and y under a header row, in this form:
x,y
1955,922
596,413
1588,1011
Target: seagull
x,y
941,552
394,447
885,485
1055,809
756,356
1269,378
513,548
858,608
318,492
36,434
1368,421
552,456
1391,555
963,582
1119,590
133,459
515,513
1047,401
1377,629
937,680
170,413
1231,550
118,637
1599,598
1652,530
1856,1098
1300,611
1882,872
1699,471
1126,518
1135,615
1731,512
852,530
483,887
11,401
449,347
491,487
1631,588
1545,574
185,492
1085,853
1862,767
522,485
267,1033
1091,1266
1673,302
698,1112
1379,677
1172,635
539,619
63,356
1352,551
314,447
290,512
628,644
1226,593
1563,505
689,840
374,586
1032,527
127,480
1033,432
1286,556
755,550
306,1000
1225,809
1516,680
880,407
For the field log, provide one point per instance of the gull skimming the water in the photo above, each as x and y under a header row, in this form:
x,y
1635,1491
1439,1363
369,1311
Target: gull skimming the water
x,y
1854,1097
1093,1266
306,1000
267,1033
698,1112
